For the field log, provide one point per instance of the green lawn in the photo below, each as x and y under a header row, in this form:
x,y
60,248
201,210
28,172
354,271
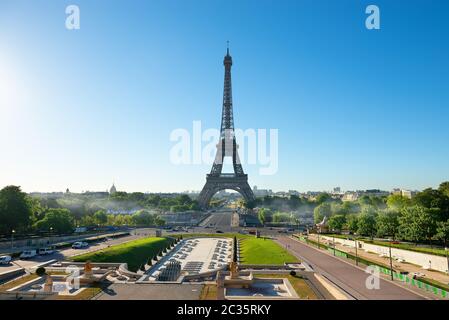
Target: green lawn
x,y
263,251
134,253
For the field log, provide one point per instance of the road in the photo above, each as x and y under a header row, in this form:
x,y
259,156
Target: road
x,y
348,277
63,254
220,220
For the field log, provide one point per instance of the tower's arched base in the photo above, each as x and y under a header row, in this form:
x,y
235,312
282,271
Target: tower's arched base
x,y
214,184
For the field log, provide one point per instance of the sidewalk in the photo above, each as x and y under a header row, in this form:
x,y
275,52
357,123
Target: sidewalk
x,y
90,237
399,266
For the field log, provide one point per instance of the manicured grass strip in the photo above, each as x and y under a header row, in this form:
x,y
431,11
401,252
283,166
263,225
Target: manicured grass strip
x,y
17,282
434,283
263,251
87,294
134,253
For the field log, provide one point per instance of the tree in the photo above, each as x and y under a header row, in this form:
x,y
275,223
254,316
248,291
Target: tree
x,y
15,213
322,198
442,231
159,221
397,201
387,223
365,200
262,215
37,209
60,220
282,217
336,222
87,221
321,211
444,188
143,218
431,198
352,223
294,202
366,224
100,217
416,224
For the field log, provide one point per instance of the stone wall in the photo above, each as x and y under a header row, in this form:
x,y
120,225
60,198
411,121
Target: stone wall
x,y
426,261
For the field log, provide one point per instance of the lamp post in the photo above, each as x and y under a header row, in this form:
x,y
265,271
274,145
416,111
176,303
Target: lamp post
x,y
391,260
51,235
12,238
333,242
447,258
356,251
318,240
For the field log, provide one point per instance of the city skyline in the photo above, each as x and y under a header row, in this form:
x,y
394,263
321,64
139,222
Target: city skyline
x,y
82,108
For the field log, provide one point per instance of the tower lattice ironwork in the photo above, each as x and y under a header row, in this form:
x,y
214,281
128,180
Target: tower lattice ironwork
x,y
226,147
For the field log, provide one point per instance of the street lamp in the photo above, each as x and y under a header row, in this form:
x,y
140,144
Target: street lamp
x,y
333,242
51,234
318,240
391,260
356,251
12,238
447,258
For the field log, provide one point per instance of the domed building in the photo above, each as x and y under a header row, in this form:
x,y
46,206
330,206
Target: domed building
x,y
113,189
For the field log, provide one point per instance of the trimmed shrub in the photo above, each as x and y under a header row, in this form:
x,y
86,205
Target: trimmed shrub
x,y
40,271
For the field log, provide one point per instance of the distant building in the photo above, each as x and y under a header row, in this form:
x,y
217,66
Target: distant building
x,y
113,189
373,192
405,193
350,196
293,192
262,192
337,190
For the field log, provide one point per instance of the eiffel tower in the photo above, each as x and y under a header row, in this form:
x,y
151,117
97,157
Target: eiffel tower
x,y
226,147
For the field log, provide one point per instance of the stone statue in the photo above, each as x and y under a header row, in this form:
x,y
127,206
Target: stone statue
x,y
234,269
48,286
220,286
88,269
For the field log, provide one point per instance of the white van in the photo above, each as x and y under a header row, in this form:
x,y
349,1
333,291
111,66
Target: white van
x,y
27,254
5,259
45,251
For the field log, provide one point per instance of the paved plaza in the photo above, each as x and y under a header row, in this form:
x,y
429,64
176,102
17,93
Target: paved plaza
x,y
197,255
168,291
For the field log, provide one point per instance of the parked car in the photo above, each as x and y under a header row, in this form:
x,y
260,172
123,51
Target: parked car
x,y
416,275
45,251
80,245
219,231
28,254
5,259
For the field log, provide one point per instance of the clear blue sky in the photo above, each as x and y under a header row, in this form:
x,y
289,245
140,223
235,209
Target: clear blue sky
x,y
354,108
